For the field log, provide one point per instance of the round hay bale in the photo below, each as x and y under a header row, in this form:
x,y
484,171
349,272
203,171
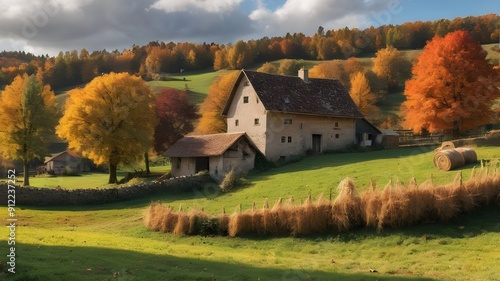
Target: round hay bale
x,y
448,159
447,145
468,154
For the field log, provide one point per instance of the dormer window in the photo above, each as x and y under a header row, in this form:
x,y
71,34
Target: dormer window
x,y
287,100
245,99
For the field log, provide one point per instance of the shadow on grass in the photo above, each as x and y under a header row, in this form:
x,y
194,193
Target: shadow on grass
x,y
39,262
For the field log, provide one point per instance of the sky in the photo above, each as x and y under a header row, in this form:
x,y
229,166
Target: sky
x,y
50,26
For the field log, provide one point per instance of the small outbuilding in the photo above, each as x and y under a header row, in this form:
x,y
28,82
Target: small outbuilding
x,y
366,132
388,139
66,161
216,153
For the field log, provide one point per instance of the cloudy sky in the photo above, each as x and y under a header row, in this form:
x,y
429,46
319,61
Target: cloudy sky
x,y
50,26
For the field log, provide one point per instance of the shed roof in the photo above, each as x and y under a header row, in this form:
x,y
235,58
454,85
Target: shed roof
x,y
203,145
291,94
54,156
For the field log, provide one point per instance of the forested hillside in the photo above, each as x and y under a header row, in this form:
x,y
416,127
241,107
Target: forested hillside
x,y
74,67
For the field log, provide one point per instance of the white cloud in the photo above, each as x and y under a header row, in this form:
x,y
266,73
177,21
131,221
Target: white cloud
x,y
306,16
211,6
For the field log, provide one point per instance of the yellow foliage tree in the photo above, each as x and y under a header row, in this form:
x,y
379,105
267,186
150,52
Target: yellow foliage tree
x,y
110,121
392,66
211,121
26,115
362,95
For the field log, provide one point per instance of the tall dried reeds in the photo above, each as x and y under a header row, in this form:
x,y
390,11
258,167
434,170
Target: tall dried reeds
x,y
395,205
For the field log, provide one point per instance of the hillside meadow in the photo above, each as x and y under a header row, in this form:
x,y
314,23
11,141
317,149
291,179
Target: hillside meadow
x,y
110,242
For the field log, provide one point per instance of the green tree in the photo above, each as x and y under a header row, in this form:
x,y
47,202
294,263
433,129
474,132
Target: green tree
x,y
27,115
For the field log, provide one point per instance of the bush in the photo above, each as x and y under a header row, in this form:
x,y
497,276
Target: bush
x,y
68,171
230,181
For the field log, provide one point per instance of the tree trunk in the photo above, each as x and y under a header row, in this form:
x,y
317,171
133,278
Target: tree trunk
x,y
26,173
112,174
146,160
456,129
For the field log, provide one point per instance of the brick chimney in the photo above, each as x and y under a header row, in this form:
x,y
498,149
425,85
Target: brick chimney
x,y
304,75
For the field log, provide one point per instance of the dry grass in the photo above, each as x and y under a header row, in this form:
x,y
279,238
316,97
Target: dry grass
x,y
395,205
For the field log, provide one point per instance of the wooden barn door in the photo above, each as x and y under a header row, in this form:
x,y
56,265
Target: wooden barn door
x,y
316,143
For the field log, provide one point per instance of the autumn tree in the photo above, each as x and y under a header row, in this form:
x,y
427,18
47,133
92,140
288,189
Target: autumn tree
x,y
110,121
453,86
175,115
289,67
392,66
268,68
362,95
27,115
331,70
211,121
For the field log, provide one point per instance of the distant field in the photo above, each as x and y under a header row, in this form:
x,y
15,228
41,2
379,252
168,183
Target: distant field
x,y
197,83
87,180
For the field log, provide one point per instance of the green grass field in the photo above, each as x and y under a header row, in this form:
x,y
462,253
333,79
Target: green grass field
x,y
110,242
89,179
197,82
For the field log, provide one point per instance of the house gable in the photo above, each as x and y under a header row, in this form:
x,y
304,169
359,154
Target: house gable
x,y
246,113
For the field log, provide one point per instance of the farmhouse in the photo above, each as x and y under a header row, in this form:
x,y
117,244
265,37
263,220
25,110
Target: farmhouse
x,y
287,115
217,154
63,161
278,117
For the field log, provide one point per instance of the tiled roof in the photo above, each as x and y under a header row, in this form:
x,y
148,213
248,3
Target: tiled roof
x,y
291,94
203,145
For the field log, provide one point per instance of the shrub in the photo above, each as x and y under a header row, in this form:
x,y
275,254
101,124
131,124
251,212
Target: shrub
x,y
230,180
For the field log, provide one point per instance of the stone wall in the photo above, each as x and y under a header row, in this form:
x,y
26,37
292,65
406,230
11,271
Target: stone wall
x,y
34,196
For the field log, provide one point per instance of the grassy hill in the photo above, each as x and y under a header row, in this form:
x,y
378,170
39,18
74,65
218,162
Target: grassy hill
x,y
110,241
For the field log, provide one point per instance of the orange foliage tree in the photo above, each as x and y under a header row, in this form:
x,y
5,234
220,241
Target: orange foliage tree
x,y
211,121
453,86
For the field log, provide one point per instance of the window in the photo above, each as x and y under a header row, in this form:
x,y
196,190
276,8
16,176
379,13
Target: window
x,y
236,122
256,121
337,136
287,122
245,99
289,139
336,124
282,139
257,99
246,83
